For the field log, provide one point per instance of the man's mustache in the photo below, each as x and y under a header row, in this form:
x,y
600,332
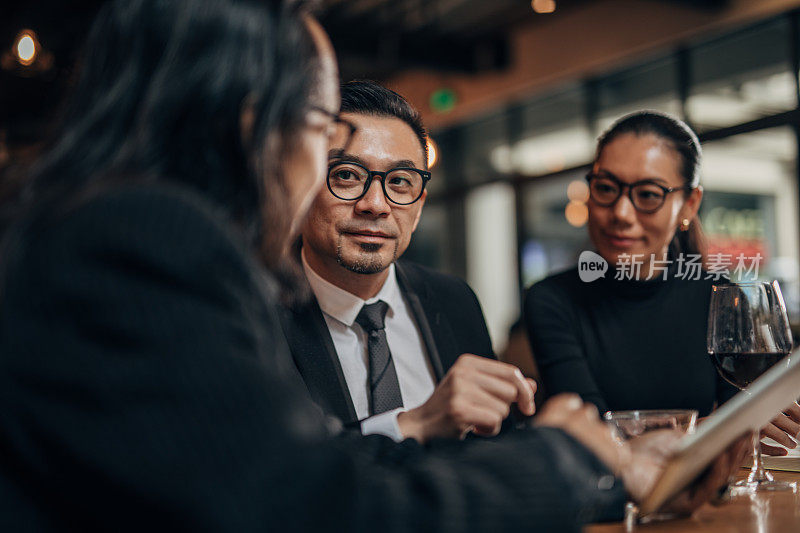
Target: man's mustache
x,y
367,228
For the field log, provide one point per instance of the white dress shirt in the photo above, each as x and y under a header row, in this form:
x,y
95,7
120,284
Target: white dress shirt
x,y
414,372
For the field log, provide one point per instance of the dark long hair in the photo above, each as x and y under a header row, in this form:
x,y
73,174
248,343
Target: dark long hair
x,y
160,97
683,140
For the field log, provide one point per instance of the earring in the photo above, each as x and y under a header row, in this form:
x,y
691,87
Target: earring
x,y
685,224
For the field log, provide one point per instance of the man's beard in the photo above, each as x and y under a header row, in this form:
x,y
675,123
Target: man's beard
x,y
367,262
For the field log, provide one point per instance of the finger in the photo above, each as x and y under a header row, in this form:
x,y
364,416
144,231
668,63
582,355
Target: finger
x,y
787,424
507,372
590,413
484,400
558,410
487,422
567,402
778,435
486,364
525,401
659,444
505,392
586,418
534,388
525,393
766,449
793,412
512,374
497,387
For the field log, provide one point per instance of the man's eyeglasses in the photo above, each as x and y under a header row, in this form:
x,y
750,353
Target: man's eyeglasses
x,y
350,181
338,122
646,196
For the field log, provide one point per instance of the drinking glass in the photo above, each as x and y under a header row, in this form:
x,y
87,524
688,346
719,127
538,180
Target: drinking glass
x,y
631,424
748,332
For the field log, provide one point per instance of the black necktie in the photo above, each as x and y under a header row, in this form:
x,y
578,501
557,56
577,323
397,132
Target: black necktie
x,y
383,385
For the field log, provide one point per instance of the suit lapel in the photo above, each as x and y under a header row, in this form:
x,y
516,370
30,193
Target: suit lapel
x,y
435,329
315,356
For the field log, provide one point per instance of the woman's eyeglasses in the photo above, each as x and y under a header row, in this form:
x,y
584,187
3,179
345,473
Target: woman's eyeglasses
x,y
646,196
337,122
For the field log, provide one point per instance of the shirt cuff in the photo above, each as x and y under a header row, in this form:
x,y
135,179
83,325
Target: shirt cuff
x,y
383,424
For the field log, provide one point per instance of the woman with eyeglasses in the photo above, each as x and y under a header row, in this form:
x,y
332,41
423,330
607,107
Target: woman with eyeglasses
x,y
635,338
145,382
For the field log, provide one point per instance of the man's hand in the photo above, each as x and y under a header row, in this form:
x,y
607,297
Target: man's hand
x,y
780,429
582,422
475,395
640,461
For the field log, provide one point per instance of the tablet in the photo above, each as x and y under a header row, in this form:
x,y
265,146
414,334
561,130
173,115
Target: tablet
x,y
751,409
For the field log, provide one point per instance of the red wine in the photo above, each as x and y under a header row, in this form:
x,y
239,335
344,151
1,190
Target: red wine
x,y
741,369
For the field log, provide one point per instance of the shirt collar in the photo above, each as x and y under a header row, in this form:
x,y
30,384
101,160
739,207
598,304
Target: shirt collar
x,y
345,306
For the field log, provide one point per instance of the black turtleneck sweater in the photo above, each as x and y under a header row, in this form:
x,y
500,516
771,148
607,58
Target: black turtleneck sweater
x,y
625,344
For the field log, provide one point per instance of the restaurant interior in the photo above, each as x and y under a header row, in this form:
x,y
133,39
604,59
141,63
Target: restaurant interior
x,y
514,94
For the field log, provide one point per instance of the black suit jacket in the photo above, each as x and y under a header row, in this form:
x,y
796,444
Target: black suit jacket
x,y
444,307
145,384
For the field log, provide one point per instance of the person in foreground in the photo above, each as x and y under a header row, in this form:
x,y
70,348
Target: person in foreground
x,y
145,382
421,378
638,341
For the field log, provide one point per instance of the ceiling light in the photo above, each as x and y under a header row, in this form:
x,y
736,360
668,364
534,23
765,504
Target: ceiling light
x,y
543,6
26,47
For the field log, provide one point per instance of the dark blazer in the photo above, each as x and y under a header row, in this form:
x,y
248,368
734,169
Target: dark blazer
x,y
145,384
444,307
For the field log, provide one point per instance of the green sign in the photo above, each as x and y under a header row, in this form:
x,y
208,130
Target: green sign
x,y
443,100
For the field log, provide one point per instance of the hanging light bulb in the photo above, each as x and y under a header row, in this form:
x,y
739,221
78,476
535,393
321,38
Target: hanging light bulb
x,y
26,56
26,47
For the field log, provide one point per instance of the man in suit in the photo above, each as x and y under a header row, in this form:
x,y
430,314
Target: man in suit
x,y
144,380
435,376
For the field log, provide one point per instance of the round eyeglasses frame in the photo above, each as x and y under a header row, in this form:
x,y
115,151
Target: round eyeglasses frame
x,y
426,176
630,186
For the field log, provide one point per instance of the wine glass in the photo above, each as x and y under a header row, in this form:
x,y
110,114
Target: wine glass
x,y
748,332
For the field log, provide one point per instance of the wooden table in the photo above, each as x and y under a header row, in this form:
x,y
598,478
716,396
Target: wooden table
x,y
776,512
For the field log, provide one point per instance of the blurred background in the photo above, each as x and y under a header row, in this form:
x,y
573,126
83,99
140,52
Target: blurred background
x,y
515,93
